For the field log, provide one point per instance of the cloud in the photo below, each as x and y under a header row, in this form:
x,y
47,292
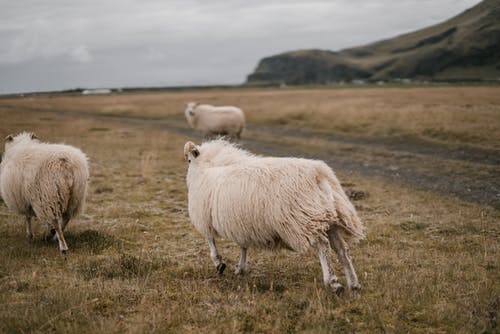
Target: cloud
x,y
81,54
43,39
59,29
154,55
136,42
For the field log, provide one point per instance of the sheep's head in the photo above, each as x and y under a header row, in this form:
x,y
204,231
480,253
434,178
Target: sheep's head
x,y
190,107
191,151
22,137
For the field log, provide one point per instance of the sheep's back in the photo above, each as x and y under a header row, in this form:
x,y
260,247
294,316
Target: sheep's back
x,y
274,203
46,178
221,120
12,186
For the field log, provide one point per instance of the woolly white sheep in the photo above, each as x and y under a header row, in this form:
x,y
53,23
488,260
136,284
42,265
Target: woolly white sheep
x,y
212,121
46,181
269,202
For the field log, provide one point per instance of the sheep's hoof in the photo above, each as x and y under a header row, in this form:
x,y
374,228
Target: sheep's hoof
x,y
337,288
239,271
51,236
220,268
29,237
355,289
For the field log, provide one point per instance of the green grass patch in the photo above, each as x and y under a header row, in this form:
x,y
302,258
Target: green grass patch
x,y
413,226
91,242
99,129
125,266
452,136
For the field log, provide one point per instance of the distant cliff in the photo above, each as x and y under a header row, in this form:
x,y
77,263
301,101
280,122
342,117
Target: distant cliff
x,y
465,47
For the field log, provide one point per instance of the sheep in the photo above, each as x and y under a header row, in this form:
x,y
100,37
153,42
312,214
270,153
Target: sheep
x,y
269,202
212,121
44,181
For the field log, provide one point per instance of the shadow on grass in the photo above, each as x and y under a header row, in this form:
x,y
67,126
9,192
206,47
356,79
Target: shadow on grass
x,y
124,266
266,280
88,242
91,242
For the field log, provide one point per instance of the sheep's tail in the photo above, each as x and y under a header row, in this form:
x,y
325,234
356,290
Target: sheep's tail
x,y
79,190
347,217
75,176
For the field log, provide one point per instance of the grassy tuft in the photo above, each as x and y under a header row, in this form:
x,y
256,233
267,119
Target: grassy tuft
x,y
99,129
125,266
91,242
413,226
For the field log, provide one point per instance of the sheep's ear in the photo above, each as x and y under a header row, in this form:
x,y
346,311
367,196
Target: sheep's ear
x,y
9,138
190,148
33,136
195,152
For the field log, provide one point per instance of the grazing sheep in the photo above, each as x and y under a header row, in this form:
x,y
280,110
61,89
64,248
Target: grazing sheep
x,y
46,181
213,121
269,202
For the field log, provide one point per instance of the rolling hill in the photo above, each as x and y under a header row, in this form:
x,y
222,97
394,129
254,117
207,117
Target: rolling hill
x,y
465,47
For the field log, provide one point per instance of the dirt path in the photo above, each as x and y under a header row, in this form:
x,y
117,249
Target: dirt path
x,y
472,182
431,168
469,173
401,144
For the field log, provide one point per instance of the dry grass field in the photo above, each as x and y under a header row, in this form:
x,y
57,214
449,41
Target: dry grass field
x,y
455,115
430,263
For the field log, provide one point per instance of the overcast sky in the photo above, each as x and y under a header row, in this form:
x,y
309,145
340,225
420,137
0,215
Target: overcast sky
x,y
61,44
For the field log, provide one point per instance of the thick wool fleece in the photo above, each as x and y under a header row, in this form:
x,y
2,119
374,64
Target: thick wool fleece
x,y
48,181
265,201
211,120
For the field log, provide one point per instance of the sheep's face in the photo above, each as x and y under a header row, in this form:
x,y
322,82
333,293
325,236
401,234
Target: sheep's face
x,y
191,151
12,140
190,107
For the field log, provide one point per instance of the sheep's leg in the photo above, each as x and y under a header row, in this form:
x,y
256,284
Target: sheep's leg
x,y
52,233
241,267
29,231
215,256
63,247
342,251
329,278
52,236
65,222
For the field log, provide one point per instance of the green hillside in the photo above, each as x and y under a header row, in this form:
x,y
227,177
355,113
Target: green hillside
x,y
465,47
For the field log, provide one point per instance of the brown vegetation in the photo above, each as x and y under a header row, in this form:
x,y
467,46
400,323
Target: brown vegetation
x,y
451,115
430,263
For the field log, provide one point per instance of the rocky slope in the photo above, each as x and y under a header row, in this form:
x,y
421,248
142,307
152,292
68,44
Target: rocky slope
x,y
465,47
